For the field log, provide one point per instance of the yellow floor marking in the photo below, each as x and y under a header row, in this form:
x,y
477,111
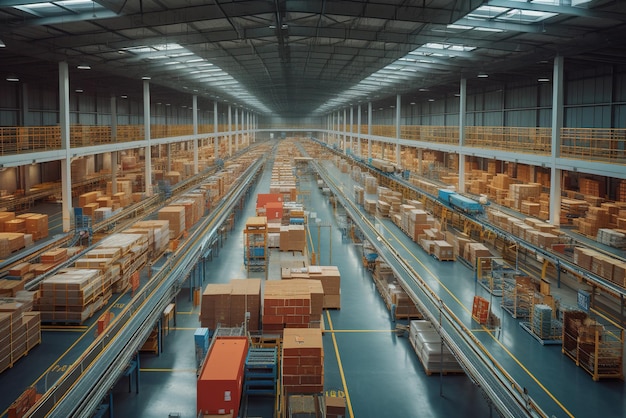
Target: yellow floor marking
x,y
519,363
343,377
182,329
68,329
169,370
186,313
55,363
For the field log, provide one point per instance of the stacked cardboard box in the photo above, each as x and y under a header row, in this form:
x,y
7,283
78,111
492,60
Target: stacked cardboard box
x,y
329,276
157,233
295,303
611,237
475,251
245,297
88,198
519,193
37,225
215,306
303,361
72,295
226,304
176,217
19,331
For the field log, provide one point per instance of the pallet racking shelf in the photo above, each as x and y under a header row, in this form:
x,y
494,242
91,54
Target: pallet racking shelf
x,y
255,244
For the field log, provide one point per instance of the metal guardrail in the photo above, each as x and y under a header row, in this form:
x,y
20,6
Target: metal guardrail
x,y
81,389
506,395
556,258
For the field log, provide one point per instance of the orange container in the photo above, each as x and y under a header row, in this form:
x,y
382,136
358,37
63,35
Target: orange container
x,y
263,198
221,379
274,210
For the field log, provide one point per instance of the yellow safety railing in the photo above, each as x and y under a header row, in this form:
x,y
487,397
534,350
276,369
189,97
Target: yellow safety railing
x,y
517,139
594,144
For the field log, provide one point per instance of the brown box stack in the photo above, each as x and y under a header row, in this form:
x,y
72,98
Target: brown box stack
x,y
335,407
476,250
295,303
157,232
303,361
87,198
37,225
176,217
215,306
245,297
73,295
15,324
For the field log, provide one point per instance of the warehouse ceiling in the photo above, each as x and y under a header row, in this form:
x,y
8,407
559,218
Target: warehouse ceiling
x,y
296,58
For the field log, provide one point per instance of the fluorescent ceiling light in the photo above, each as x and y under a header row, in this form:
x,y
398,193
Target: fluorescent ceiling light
x,y
83,67
12,78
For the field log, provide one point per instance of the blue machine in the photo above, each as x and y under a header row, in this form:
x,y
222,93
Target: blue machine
x,y
460,202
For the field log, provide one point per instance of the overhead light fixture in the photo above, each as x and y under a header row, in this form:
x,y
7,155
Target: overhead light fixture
x,y
13,78
2,44
83,67
483,75
543,79
145,77
78,90
431,100
123,96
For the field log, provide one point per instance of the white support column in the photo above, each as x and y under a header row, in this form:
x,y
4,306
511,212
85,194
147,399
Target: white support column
x,y
398,112
147,135
369,130
358,131
242,129
236,129
66,162
114,154
557,124
345,130
194,107
216,142
351,130
230,129
462,115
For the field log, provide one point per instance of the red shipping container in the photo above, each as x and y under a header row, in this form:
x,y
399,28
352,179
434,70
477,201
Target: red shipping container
x,y
220,383
274,210
263,199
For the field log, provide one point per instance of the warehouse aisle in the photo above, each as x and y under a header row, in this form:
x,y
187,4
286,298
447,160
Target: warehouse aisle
x,y
365,360
541,369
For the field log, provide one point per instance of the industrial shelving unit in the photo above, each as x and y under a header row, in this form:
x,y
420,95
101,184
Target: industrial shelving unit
x,y
260,371
597,348
255,244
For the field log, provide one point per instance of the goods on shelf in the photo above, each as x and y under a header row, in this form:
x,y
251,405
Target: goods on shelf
x,y
606,267
395,297
595,347
519,294
427,344
302,361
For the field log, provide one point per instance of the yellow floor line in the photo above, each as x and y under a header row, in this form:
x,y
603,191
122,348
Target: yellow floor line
x,y
55,363
182,329
57,329
343,377
532,376
519,363
169,370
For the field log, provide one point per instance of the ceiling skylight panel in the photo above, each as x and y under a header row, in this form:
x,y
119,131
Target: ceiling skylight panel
x,y
525,16
487,12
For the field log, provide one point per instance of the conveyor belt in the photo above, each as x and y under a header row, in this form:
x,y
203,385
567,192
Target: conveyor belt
x,y
505,394
557,259
80,390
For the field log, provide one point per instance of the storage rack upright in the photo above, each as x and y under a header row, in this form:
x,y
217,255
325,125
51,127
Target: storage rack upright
x,y
255,244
